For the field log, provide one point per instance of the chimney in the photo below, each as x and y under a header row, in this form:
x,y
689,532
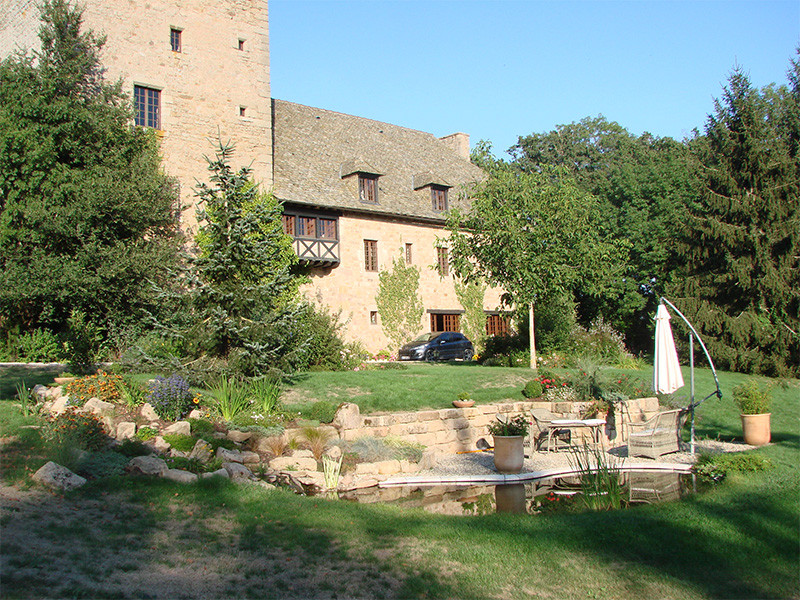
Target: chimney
x,y
459,143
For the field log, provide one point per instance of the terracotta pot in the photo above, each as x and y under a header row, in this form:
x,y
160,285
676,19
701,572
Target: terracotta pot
x,y
756,429
463,403
509,453
63,380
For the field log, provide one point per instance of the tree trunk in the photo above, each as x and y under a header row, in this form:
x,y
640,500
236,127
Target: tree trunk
x,y
534,364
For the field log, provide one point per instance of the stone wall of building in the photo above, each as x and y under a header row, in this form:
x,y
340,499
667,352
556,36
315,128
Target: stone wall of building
x,y
351,288
217,85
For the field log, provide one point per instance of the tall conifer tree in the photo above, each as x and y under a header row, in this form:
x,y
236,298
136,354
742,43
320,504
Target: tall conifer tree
x,y
741,239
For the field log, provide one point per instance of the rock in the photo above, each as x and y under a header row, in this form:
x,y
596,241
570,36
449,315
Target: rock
x,y
202,451
311,483
195,413
217,473
429,459
347,417
40,391
60,405
237,471
161,444
302,454
148,465
126,430
283,463
179,475
239,436
148,412
180,428
98,407
334,452
56,476
250,457
226,455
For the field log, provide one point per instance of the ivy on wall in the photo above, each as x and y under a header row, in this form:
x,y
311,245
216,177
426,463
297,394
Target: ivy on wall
x,y
399,303
473,324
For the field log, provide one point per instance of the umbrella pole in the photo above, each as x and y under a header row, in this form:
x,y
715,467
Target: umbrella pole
x,y
691,378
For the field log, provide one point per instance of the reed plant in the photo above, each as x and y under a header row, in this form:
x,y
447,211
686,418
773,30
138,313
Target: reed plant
x,y
599,472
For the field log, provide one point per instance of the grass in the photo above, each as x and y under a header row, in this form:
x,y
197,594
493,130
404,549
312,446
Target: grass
x,y
740,540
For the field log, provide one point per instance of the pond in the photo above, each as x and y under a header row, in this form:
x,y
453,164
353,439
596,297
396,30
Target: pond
x,y
560,493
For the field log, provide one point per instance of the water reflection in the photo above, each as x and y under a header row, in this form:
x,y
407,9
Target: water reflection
x,y
555,494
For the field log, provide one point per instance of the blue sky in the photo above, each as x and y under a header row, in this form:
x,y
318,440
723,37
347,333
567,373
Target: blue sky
x,y
498,69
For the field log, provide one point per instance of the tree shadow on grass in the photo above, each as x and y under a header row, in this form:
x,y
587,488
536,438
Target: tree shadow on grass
x,y
12,374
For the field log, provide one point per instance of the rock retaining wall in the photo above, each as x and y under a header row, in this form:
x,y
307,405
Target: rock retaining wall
x,y
452,430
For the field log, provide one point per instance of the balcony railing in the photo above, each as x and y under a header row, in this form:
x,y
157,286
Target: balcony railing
x,y
317,252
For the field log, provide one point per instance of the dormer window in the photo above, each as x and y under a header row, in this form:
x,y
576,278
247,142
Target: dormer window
x,y
439,198
368,188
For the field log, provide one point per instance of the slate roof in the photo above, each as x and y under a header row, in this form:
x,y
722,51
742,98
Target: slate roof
x,y
319,153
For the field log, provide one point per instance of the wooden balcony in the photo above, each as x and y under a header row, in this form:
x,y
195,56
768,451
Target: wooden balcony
x,y
317,252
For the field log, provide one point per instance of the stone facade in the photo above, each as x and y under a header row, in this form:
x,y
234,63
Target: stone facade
x,y
218,84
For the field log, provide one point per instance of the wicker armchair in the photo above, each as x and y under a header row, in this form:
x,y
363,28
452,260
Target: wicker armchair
x,y
545,433
660,434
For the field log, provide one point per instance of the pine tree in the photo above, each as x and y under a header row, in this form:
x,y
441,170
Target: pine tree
x,y
244,292
742,236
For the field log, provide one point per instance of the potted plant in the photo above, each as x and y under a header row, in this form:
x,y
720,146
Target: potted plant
x,y
754,402
509,446
464,400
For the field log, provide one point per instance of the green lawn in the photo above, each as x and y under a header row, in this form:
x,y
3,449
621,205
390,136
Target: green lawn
x,y
741,540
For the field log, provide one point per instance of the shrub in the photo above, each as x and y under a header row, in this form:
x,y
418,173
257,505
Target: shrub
x,y
83,341
601,342
201,427
317,440
102,385
751,398
40,345
133,447
532,389
717,466
146,433
170,397
181,442
95,465
404,450
323,411
276,444
83,429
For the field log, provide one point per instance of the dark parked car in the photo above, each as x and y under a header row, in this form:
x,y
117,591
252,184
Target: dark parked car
x,y
443,345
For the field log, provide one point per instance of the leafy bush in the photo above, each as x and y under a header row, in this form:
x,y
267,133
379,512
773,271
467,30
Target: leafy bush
x,y
325,349
181,442
201,427
146,433
40,345
95,465
102,385
532,389
505,426
133,447
83,341
170,397
601,343
322,411
83,429
751,398
717,466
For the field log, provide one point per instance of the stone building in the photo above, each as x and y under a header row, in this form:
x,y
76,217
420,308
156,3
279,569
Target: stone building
x,y
358,193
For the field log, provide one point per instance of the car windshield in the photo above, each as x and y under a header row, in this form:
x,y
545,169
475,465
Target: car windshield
x,y
425,337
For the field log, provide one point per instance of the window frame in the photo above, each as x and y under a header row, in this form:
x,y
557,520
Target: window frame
x,y
409,253
439,198
176,39
368,188
443,261
148,106
371,256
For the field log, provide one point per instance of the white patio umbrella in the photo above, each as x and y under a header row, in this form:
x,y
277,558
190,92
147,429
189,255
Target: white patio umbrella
x,y
667,376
